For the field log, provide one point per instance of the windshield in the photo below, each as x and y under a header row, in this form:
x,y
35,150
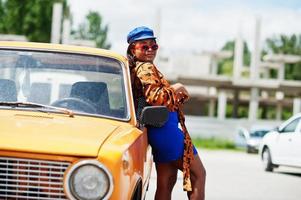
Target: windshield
x,y
85,84
259,133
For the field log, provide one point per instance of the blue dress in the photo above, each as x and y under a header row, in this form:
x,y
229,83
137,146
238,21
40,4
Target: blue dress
x,y
167,142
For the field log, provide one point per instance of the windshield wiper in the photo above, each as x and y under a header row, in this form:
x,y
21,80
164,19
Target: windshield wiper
x,y
70,113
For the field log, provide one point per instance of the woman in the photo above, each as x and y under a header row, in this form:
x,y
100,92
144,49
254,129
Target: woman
x,y
172,147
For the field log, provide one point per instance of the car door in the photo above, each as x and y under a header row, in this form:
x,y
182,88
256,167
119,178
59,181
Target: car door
x,y
296,146
147,162
285,147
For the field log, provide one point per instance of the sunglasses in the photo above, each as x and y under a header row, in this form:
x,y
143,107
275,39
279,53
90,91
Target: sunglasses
x,y
145,47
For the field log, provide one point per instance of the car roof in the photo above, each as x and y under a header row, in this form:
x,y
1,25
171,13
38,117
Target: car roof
x,y
60,48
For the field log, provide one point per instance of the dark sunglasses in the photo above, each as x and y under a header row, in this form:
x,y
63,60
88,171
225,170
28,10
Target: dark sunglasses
x,y
145,47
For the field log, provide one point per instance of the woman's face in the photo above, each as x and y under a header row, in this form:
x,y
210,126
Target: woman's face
x,y
145,50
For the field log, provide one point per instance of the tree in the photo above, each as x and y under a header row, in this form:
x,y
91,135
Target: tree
x,y
1,16
92,29
284,44
30,18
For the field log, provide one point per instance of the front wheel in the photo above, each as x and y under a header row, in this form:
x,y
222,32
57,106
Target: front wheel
x,y
267,160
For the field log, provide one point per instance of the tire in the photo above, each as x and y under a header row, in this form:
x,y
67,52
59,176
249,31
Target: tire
x,y
267,160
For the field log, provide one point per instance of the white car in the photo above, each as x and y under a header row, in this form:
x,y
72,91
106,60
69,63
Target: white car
x,y
282,146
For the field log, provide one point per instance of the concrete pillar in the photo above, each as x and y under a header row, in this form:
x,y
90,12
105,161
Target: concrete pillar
x,y
66,31
57,12
266,74
235,103
253,105
281,72
213,67
222,103
278,111
238,56
297,105
158,22
255,59
211,107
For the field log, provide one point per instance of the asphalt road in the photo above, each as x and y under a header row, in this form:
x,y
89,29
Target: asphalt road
x,y
239,176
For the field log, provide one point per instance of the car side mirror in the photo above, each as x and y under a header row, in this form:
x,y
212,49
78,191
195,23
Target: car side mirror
x,y
155,116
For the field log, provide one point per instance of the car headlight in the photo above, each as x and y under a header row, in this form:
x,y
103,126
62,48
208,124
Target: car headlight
x,y
88,180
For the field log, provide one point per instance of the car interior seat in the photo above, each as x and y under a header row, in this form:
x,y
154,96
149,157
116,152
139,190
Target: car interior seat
x,y
8,90
95,92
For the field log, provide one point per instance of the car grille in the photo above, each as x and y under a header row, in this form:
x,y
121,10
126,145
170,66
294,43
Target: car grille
x,y
31,179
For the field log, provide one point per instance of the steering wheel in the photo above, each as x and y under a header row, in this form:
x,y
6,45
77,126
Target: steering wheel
x,y
75,104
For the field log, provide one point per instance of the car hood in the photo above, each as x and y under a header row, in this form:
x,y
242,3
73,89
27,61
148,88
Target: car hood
x,y
254,140
54,133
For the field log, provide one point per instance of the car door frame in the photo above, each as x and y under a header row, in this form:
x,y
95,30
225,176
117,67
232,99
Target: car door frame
x,y
296,144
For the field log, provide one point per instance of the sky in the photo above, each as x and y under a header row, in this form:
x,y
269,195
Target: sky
x,y
192,25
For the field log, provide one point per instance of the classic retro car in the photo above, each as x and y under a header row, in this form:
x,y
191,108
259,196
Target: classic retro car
x,y
68,127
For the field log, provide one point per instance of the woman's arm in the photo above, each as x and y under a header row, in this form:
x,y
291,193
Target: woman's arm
x,y
154,91
181,92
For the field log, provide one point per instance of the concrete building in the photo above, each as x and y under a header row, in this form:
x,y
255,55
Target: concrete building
x,y
211,93
11,37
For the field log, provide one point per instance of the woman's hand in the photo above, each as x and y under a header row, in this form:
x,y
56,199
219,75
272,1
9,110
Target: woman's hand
x,y
181,92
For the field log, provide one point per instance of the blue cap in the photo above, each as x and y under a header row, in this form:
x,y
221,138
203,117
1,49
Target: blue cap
x,y
140,33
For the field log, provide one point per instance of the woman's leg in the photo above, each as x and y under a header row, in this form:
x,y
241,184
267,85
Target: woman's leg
x,y
166,179
198,178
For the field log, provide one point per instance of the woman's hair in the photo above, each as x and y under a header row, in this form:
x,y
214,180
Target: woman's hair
x,y
132,64
131,57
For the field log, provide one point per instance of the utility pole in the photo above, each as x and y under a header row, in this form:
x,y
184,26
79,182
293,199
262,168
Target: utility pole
x,y
158,18
238,55
254,73
57,11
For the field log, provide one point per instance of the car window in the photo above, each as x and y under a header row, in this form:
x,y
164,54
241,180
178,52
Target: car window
x,y
259,133
241,134
35,95
85,84
291,127
299,127
64,90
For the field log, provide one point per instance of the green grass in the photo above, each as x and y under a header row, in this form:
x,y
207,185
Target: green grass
x,y
214,143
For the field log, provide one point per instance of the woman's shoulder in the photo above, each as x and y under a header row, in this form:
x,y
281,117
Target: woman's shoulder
x,y
149,69
144,66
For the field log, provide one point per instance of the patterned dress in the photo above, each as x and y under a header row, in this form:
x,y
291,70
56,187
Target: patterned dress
x,y
150,85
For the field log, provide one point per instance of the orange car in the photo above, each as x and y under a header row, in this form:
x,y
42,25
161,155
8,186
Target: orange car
x,y
68,126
